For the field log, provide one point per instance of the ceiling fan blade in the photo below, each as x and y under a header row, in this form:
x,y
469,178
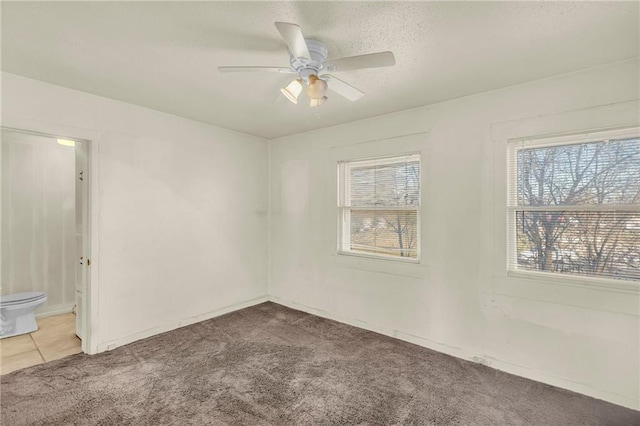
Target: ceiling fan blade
x,y
372,60
292,35
256,69
343,89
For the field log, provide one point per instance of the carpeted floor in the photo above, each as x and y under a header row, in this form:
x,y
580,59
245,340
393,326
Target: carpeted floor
x,y
270,365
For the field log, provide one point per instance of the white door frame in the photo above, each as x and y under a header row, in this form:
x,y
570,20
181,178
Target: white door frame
x,y
90,299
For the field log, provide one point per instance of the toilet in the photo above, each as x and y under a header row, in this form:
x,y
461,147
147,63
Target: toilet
x,y
17,313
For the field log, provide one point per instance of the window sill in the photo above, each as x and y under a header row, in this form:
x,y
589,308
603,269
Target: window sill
x,y
575,281
385,265
380,257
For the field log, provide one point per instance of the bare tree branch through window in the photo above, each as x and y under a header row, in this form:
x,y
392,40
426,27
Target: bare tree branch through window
x,y
577,208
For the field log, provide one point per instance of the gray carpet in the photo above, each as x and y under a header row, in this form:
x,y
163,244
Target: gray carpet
x,y
270,365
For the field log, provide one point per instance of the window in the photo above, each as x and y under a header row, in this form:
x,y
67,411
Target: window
x,y
574,205
378,206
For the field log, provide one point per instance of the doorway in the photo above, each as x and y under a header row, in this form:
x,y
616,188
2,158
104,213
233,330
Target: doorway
x,y
46,232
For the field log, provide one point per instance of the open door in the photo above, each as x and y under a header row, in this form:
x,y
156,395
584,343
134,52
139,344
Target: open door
x,y
82,239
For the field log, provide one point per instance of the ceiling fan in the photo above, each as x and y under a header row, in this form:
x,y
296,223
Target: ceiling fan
x,y
308,59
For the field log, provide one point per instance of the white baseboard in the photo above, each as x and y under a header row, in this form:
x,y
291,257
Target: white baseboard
x,y
502,365
56,310
130,338
498,364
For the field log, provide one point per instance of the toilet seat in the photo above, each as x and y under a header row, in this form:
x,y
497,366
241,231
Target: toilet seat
x,y
20,298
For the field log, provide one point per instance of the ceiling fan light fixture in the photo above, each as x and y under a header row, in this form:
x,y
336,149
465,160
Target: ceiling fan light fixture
x,y
293,90
317,102
316,87
307,58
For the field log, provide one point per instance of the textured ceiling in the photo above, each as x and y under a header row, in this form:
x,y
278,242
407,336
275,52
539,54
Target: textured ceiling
x,y
164,55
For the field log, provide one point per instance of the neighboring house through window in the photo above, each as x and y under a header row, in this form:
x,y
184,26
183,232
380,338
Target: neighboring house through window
x,y
378,203
574,205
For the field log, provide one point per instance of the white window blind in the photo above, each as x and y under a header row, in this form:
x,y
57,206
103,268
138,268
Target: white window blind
x,y
574,205
378,204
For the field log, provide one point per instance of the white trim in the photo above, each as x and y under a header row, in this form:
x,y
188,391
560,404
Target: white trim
x,y
269,218
575,138
473,356
382,160
129,338
59,310
392,208
380,256
627,286
43,134
578,208
92,296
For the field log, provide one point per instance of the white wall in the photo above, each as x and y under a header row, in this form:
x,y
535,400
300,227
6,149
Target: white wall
x,y
180,209
38,219
181,217
459,299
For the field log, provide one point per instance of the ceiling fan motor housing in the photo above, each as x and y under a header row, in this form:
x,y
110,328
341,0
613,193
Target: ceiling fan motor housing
x,y
306,67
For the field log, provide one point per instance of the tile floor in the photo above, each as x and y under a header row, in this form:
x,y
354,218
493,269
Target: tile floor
x,y
54,339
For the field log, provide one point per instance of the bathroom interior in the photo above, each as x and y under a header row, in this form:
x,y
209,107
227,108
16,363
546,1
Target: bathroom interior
x,y
42,239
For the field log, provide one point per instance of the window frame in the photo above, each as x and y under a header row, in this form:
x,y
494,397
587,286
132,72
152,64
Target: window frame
x,y
512,207
343,211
